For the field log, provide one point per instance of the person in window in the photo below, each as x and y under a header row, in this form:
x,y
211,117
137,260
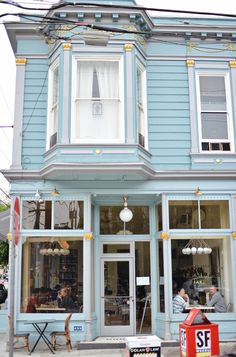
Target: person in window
x,y
215,299
65,300
33,302
180,301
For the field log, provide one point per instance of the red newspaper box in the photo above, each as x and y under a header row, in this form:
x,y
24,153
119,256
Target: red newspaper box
x,y
198,336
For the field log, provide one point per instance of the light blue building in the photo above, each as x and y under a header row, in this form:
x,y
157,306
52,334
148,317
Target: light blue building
x,y
142,117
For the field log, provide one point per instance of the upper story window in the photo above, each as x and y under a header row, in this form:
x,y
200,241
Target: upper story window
x,y
141,106
97,107
53,105
214,110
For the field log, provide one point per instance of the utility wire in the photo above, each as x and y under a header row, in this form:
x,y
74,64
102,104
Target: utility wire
x,y
64,4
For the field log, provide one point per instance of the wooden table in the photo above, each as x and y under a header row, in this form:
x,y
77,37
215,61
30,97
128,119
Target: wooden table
x,y
50,309
203,308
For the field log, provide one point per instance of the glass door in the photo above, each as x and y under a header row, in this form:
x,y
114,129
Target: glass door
x,y
117,297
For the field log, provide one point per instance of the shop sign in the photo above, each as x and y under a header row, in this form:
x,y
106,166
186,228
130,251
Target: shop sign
x,y
203,343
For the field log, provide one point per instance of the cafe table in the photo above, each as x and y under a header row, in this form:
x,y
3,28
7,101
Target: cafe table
x,y
50,309
203,308
41,326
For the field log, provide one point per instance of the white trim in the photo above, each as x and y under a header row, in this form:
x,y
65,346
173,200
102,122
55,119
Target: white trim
x,y
97,57
215,73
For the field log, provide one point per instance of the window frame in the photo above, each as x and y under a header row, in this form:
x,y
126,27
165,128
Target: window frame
x,y
228,111
143,78
52,107
84,58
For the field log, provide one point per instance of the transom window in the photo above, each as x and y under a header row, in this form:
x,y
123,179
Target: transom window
x,y
193,214
214,113
97,101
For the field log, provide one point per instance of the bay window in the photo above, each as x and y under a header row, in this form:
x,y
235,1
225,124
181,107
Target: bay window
x,y
97,107
141,106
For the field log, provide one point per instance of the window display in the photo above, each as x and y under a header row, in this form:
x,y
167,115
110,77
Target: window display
x,y
52,275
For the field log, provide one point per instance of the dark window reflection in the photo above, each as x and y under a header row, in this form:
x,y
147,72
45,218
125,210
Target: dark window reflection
x,y
52,276
69,215
37,215
110,222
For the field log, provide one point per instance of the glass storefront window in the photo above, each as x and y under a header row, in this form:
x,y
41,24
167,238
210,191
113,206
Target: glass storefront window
x,y
68,215
37,215
159,217
52,275
197,273
204,214
143,287
116,248
110,222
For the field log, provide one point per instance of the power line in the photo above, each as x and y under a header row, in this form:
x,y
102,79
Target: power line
x,y
64,4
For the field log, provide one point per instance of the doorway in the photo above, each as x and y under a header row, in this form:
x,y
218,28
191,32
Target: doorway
x,y
125,289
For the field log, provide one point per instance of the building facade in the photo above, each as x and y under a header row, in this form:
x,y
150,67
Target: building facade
x,y
139,116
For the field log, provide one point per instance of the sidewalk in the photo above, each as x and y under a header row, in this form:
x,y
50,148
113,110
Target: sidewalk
x,y
42,351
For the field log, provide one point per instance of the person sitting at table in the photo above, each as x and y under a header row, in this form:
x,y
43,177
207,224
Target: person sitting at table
x,y
33,302
65,300
215,299
180,301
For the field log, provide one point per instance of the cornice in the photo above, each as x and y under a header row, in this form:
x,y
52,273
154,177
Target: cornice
x,y
142,169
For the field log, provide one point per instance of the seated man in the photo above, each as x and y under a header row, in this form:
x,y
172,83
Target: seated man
x,y
215,299
180,301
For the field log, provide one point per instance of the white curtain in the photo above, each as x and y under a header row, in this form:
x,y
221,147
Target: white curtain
x,y
106,125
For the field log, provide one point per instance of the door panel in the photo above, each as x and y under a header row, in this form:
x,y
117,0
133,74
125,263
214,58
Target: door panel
x,y
117,300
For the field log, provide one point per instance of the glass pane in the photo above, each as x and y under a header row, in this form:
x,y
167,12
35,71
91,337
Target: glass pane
x,y
143,288
37,215
159,217
110,222
214,126
197,273
212,93
69,215
183,214
214,214
116,248
161,296
116,293
52,277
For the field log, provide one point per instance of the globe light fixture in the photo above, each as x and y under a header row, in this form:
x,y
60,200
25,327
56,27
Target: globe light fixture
x,y
126,214
196,246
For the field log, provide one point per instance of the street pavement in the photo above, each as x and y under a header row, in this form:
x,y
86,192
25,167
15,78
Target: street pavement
x,y
226,349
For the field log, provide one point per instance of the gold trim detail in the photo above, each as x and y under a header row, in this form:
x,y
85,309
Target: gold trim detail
x,y
66,46
234,235
232,64
165,235
128,47
9,236
88,236
190,63
21,61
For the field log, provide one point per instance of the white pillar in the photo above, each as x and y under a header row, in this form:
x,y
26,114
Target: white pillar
x,y
65,139
88,241
18,115
130,108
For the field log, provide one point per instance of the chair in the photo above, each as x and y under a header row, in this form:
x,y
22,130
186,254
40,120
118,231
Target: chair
x,y
65,333
20,336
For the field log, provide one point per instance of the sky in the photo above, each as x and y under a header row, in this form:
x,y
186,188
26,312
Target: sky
x,y
7,64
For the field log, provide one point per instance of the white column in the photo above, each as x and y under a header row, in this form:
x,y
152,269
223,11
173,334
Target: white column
x,y
167,265
87,261
65,139
130,108
18,115
192,105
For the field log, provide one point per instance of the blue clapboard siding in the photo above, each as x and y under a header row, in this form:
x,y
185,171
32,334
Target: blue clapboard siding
x,y
35,113
168,114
